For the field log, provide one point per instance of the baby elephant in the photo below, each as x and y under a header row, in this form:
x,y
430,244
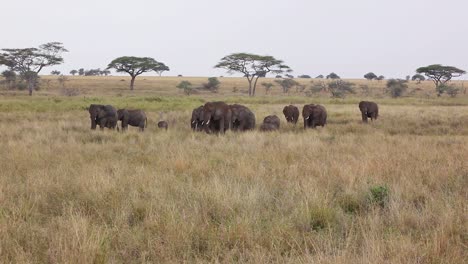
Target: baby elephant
x,y
291,113
270,123
368,110
135,118
163,124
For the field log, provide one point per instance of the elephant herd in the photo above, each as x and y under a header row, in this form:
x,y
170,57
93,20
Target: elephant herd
x,y
218,117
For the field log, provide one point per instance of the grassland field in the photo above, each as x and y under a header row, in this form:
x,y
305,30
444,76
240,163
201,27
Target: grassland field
x,y
392,191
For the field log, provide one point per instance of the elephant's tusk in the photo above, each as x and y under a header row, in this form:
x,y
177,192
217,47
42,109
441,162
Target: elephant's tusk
x,y
203,122
193,122
207,122
307,118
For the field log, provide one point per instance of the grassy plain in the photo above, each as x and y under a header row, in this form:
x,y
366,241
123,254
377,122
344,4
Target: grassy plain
x,y
393,191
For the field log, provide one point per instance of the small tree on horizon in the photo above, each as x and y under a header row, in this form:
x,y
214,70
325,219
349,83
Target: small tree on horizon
x,y
267,86
370,76
135,66
252,67
55,72
333,76
340,88
186,86
418,77
440,74
73,72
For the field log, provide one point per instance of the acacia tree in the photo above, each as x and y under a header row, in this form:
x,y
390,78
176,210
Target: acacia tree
x,y
136,66
418,77
333,76
440,74
370,76
252,66
30,61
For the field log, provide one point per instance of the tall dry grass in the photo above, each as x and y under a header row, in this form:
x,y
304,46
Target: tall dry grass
x,y
393,191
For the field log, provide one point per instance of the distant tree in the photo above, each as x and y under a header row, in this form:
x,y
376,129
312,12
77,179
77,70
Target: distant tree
x,y
81,72
10,78
452,91
105,72
267,86
396,87
92,72
340,88
418,77
286,84
440,74
370,76
55,72
30,61
135,66
73,72
278,76
186,86
318,86
380,78
407,78
319,76
333,76
252,66
290,76
304,76
180,75
212,84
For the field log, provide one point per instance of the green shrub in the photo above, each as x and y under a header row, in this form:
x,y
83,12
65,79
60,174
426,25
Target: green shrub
x,y
378,195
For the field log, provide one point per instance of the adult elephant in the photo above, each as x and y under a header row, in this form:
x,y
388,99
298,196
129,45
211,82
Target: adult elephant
x,y
368,110
217,117
196,122
103,115
314,115
135,118
242,118
270,123
291,113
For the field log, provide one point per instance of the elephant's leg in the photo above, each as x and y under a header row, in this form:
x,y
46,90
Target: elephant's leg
x,y
102,123
364,117
93,123
305,123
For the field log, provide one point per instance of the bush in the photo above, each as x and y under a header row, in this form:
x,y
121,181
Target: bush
x,y
186,86
286,84
212,84
452,91
378,195
304,76
267,87
340,88
333,76
396,87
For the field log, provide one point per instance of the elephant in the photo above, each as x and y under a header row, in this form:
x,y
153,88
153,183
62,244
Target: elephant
x,y
242,118
291,113
314,115
135,118
163,124
217,117
270,123
196,122
368,109
103,115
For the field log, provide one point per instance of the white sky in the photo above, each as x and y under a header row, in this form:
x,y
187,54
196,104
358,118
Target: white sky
x,y
349,37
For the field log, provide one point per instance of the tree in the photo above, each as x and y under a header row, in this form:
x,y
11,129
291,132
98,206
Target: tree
x,y
340,88
286,84
161,68
212,84
186,86
396,87
370,76
305,76
252,67
55,72
418,77
380,78
30,61
10,78
440,74
81,71
136,66
319,77
333,76
105,72
267,86
73,72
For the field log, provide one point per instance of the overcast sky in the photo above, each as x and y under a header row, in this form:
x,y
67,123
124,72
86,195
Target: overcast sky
x,y
349,37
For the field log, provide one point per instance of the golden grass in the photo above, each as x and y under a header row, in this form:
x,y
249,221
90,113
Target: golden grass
x,y
72,195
